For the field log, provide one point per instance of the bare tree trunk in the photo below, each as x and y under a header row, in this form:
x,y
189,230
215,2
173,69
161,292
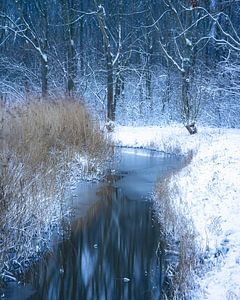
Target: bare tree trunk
x,y
81,40
188,117
110,98
167,93
109,62
118,76
185,86
44,77
44,58
118,88
148,77
68,13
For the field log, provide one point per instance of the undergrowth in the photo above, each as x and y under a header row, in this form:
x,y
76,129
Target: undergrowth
x,y
40,145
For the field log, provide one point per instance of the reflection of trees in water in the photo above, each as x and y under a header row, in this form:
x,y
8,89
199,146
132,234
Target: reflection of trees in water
x,y
116,239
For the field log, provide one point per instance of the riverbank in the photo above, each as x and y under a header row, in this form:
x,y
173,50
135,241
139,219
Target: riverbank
x,y
44,146
112,246
208,193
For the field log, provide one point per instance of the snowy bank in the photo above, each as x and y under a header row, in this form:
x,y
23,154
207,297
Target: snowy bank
x,y
209,194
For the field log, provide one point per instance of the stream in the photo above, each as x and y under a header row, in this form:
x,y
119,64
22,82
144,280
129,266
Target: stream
x,y
111,250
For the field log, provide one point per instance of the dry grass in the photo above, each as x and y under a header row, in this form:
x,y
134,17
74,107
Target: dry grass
x,y
37,128
181,242
39,142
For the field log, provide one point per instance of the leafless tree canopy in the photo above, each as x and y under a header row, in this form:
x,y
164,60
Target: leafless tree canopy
x,y
158,60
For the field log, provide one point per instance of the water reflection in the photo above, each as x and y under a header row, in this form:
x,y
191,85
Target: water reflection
x,y
111,252
109,247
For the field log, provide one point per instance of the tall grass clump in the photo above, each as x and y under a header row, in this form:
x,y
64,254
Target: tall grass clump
x,y
181,246
40,146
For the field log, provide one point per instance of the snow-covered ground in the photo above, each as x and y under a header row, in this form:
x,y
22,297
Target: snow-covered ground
x,y
210,193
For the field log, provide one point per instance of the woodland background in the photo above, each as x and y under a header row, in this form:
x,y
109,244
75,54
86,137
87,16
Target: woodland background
x,y
136,62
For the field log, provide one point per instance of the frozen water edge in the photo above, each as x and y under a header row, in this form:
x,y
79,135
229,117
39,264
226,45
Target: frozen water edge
x,y
210,193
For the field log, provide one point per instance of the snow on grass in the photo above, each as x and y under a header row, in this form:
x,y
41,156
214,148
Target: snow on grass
x,y
209,193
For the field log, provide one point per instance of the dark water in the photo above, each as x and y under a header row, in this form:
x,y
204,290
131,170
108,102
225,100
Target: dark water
x,y
112,251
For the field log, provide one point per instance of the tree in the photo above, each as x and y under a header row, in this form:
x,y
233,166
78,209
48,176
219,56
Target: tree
x,y
111,60
69,10
182,44
137,56
23,26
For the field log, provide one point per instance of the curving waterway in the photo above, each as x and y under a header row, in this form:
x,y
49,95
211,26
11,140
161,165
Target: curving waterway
x,y
112,248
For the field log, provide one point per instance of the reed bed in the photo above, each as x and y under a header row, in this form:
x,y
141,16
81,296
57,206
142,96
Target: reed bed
x,y
40,145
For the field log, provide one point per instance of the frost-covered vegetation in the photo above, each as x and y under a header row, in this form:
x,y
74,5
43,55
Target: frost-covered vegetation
x,y
151,62
43,144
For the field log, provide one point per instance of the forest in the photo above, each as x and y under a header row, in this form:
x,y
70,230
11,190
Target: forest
x,y
161,61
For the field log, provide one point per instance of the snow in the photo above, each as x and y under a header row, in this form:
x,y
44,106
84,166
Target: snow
x,y
44,57
209,193
188,42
